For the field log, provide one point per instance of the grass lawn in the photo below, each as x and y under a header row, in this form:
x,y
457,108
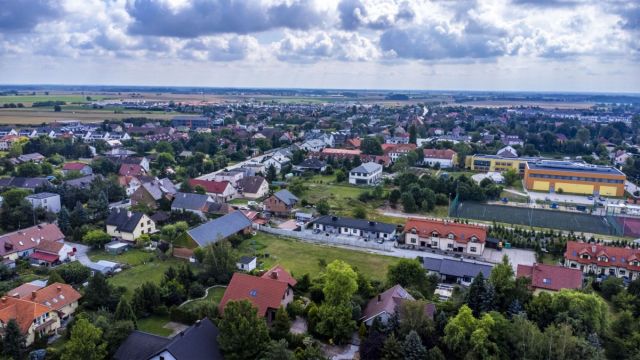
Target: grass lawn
x,y
300,257
27,100
154,325
215,295
144,267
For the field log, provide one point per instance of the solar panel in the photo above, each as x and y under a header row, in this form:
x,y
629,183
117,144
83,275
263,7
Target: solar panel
x,y
253,293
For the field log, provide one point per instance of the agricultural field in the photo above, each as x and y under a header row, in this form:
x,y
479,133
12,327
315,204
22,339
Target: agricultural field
x,y
300,257
37,116
28,100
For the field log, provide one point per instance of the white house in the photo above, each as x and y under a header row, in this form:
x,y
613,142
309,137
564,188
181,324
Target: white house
x,y
366,174
232,176
246,263
445,235
445,158
313,145
45,200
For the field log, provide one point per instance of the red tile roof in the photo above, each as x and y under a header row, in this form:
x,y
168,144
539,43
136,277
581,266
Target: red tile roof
x,y
551,277
74,166
131,170
50,258
263,293
56,296
23,311
211,187
616,256
48,246
279,273
334,151
398,148
355,142
439,153
23,290
462,233
25,239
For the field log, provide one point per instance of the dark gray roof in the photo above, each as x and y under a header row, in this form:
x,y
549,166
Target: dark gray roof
x,y
456,267
220,228
140,345
189,201
82,182
251,184
571,166
124,221
360,224
287,197
199,341
312,163
246,259
23,182
367,168
42,195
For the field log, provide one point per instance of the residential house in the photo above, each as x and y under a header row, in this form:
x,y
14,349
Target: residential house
x,y
460,271
278,164
24,182
220,190
82,182
313,145
265,293
79,167
131,170
33,157
33,319
386,305
119,153
246,263
7,141
507,152
254,169
277,272
48,201
395,151
199,341
281,203
550,277
603,260
445,235
62,298
369,173
221,228
151,193
352,144
128,225
445,158
367,230
232,177
253,187
511,140
313,165
22,243
8,131
195,203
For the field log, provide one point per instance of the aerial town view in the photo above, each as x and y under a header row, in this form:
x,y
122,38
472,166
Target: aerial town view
x,y
319,179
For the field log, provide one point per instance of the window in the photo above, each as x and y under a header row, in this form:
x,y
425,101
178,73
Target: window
x,y
450,246
472,249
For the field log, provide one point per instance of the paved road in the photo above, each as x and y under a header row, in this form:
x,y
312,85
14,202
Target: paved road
x,y
255,159
81,253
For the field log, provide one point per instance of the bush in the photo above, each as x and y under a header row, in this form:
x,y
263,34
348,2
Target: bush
x,y
196,291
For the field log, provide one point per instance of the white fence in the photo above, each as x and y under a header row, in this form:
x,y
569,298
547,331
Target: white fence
x,y
323,238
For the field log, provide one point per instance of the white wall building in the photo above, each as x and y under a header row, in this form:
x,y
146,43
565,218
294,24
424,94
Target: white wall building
x,y
45,200
366,174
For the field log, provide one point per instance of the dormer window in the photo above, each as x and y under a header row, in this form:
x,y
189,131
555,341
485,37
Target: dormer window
x,y
603,259
585,256
450,236
635,263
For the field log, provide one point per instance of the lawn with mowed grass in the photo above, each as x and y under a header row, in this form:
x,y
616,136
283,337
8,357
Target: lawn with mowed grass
x,y
154,325
27,100
145,266
213,296
300,257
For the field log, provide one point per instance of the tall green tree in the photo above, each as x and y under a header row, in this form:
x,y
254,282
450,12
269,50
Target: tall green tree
x,y
243,334
392,348
124,311
64,221
340,283
413,348
85,342
13,342
278,350
54,277
219,262
281,325
99,293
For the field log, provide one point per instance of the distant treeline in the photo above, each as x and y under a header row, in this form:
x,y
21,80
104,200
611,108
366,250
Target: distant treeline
x,y
47,103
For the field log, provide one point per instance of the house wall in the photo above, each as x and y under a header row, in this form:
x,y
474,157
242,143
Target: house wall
x,y
262,191
142,196
276,206
604,270
145,226
30,336
444,244
50,204
604,184
364,179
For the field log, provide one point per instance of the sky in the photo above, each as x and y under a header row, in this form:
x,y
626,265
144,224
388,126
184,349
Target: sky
x,y
503,45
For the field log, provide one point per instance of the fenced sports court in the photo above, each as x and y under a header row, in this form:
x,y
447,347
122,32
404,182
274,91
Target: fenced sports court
x,y
553,219
625,219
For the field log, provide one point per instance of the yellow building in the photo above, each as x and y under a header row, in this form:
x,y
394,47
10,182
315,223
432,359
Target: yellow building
x,y
496,163
574,178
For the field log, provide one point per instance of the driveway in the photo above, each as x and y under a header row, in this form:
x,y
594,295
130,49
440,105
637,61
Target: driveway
x,y
82,253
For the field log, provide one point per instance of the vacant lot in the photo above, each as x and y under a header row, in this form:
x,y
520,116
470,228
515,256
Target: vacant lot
x,y
35,116
300,257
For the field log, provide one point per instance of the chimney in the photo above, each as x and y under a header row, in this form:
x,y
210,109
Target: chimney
x,y
4,299
128,214
33,294
274,275
198,323
59,288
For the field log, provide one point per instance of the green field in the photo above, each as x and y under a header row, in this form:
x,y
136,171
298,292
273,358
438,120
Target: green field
x,y
300,257
27,100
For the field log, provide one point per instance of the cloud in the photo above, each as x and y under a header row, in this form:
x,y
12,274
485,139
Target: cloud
x,y
444,41
342,46
230,48
372,14
546,3
23,15
205,17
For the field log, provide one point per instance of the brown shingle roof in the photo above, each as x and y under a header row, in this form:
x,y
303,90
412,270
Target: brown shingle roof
x,y
56,296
